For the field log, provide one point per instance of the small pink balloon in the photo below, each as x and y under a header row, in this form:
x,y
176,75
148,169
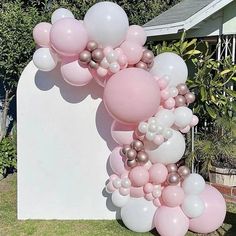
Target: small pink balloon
x,y
214,214
133,51
119,51
74,74
162,83
171,221
41,34
148,188
132,95
165,94
137,192
122,60
158,173
157,202
169,103
149,197
148,165
172,196
158,140
107,50
194,121
117,162
102,71
110,188
185,130
101,80
139,176
122,134
68,37
113,177
124,191
136,34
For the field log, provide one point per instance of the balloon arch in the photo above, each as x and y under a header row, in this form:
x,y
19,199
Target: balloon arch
x,y
148,98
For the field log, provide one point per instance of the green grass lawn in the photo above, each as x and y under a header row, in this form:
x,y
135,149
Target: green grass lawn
x,y
10,226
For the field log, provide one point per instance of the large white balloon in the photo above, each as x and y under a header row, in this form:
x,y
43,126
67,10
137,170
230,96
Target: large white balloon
x,y
183,116
193,184
168,152
137,215
61,13
193,206
119,200
106,23
165,117
44,59
171,65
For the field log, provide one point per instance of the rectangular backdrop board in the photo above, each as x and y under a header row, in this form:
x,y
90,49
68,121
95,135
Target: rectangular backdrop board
x,y
63,145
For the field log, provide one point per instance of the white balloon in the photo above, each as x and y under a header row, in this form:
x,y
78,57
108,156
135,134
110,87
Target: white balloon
x,y
44,59
168,152
119,200
172,65
106,23
137,215
193,184
61,13
143,127
183,116
193,206
165,117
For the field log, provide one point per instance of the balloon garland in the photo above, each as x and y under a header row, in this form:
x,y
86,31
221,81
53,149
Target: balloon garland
x,y
148,99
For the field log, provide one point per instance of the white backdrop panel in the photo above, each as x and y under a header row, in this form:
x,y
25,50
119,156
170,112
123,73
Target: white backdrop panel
x,y
63,145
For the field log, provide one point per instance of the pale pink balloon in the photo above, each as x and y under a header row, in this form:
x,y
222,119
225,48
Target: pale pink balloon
x,y
41,34
159,139
107,50
171,221
185,129
157,202
148,188
101,80
172,196
68,37
139,176
165,94
110,188
214,214
136,34
122,60
158,173
194,121
133,51
137,192
74,74
149,197
162,83
117,162
132,95
122,134
169,103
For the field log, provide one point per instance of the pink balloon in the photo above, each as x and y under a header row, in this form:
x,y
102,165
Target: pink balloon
x,y
158,173
122,134
101,80
185,129
116,162
214,213
41,34
169,103
110,188
68,37
137,192
194,121
132,95
148,188
139,176
133,51
172,196
74,74
136,34
171,221
159,139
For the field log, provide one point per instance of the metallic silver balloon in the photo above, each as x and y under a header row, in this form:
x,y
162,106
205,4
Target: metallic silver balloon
x,y
97,55
180,101
184,171
85,56
132,163
148,56
131,154
173,178
182,88
172,168
142,157
141,65
137,145
190,97
93,64
92,45
124,150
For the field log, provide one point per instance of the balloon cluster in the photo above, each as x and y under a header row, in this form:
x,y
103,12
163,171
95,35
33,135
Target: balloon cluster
x,y
147,97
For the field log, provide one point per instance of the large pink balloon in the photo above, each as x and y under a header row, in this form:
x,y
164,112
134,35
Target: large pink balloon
x,y
74,74
171,221
136,34
41,34
158,173
68,37
132,95
122,134
117,162
214,213
133,51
